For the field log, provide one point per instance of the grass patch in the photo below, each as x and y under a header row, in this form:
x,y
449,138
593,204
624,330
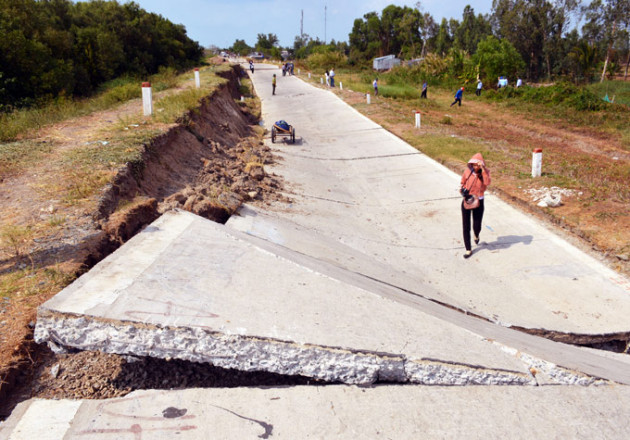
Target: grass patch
x,y
448,149
16,156
15,239
619,90
22,122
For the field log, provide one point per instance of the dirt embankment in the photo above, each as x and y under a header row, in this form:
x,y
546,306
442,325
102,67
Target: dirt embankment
x,y
209,163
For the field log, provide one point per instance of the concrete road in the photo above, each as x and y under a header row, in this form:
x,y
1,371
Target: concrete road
x,y
333,412
373,204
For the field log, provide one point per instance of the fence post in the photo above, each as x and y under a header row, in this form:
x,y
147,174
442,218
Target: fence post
x,y
147,99
537,162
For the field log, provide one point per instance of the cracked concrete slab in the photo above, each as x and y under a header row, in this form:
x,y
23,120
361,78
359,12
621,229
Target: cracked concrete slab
x,y
340,412
358,185
191,289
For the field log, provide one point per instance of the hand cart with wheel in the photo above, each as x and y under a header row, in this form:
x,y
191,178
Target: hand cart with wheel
x,y
282,129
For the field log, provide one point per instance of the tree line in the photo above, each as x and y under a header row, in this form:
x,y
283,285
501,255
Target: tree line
x,y
535,39
57,47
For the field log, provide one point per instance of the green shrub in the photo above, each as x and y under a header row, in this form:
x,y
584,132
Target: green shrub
x,y
326,60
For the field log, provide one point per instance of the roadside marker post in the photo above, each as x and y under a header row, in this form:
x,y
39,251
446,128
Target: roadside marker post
x,y
340,85
417,113
321,80
537,162
309,75
368,97
197,79
147,99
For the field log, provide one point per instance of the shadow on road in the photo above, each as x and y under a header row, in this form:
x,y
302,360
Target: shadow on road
x,y
504,242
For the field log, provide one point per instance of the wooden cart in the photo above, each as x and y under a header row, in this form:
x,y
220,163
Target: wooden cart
x,y
277,131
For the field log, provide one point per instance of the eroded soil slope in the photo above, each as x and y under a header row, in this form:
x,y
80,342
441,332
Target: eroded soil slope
x,y
208,163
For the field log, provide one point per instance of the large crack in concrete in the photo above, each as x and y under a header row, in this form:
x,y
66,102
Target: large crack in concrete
x,y
246,353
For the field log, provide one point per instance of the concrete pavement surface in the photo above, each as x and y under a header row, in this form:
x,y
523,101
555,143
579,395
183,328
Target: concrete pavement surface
x,y
192,289
357,185
333,412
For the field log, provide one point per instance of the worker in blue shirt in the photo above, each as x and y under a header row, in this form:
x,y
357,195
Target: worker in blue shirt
x,y
458,97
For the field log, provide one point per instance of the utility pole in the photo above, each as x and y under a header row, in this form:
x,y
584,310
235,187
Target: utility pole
x,y
302,25
325,8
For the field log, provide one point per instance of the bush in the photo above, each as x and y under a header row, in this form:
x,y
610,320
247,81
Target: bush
x,y
326,60
562,94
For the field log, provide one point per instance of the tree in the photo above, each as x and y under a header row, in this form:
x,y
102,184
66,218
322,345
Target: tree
x,y
240,47
471,30
497,58
266,42
443,39
53,47
585,58
535,28
396,31
428,28
606,20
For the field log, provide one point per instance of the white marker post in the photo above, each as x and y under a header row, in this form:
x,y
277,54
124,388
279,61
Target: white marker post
x,y
417,118
368,98
340,85
147,99
321,81
309,75
242,98
197,80
298,71
537,162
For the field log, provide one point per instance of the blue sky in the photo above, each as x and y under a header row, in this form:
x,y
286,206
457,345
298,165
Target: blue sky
x,y
221,22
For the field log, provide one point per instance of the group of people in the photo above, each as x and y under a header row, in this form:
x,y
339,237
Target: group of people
x,y
330,77
287,68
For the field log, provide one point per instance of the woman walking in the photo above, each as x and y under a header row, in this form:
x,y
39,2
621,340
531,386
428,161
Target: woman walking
x,y
474,182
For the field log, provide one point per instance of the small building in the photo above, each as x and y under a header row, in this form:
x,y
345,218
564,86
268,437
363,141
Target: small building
x,y
385,63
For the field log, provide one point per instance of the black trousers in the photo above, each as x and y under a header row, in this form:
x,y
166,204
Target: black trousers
x,y
457,101
477,216
424,94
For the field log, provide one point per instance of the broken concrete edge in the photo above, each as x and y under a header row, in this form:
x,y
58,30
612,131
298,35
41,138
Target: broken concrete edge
x,y
435,297
250,353
575,338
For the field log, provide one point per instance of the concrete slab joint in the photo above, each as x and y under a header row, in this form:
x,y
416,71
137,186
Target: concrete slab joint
x,y
247,353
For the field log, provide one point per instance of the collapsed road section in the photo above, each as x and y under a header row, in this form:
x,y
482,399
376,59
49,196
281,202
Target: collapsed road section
x,y
192,289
